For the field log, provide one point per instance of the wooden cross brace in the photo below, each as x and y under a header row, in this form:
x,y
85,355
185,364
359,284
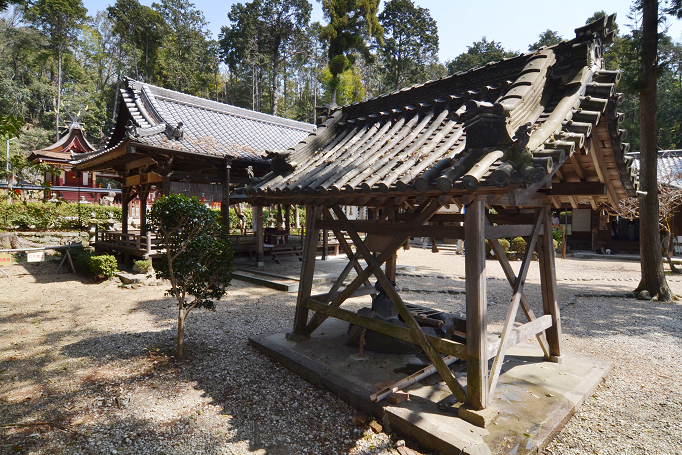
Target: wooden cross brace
x,y
374,266
424,213
518,285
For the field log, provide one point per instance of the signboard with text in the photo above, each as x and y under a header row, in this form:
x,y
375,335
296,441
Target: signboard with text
x,y
35,256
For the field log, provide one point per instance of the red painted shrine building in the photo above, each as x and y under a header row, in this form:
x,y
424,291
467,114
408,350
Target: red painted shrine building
x,y
67,183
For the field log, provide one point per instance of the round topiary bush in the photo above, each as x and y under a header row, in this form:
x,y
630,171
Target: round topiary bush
x,y
519,245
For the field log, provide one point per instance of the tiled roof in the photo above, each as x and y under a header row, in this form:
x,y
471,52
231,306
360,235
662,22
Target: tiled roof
x,y
510,122
71,142
164,118
669,167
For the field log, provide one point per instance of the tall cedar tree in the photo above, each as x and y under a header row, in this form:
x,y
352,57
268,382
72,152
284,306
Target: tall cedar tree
x,y
410,44
265,27
188,57
142,28
353,24
653,276
60,21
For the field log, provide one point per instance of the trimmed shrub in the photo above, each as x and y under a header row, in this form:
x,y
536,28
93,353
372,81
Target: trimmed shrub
x,y
103,266
518,244
504,243
145,265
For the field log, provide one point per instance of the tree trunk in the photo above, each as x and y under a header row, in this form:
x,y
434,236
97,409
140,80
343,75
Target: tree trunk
x,y
275,82
181,330
59,90
653,276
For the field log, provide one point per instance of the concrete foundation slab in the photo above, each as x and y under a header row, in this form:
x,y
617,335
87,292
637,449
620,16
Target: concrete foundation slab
x,y
535,398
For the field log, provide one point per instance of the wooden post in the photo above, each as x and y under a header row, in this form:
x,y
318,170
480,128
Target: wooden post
x,y
548,285
125,208
297,216
476,309
392,261
144,192
287,224
325,244
307,273
260,238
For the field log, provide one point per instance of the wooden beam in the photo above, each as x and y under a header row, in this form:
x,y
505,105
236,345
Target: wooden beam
x,y
536,327
457,232
476,309
578,169
577,189
142,162
600,167
345,247
442,345
260,238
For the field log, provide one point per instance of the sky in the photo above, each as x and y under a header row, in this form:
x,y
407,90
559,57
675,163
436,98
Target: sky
x,y
515,24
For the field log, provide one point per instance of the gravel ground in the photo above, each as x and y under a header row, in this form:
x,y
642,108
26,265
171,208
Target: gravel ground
x,y
88,368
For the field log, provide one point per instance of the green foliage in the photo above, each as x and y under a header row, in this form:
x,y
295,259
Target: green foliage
x,y
410,44
198,256
187,58
80,258
504,243
477,55
10,126
556,235
349,86
145,265
54,215
103,266
141,29
100,267
264,31
518,244
352,24
547,38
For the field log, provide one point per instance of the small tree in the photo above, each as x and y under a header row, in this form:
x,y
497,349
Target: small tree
x,y
197,257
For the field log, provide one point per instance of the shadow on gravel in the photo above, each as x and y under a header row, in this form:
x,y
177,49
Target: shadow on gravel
x,y
592,312
265,406
46,272
122,345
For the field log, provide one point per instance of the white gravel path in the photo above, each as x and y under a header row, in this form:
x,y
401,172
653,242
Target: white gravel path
x,y
92,362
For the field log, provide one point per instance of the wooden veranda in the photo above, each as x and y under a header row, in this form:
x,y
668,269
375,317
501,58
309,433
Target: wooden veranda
x,y
506,142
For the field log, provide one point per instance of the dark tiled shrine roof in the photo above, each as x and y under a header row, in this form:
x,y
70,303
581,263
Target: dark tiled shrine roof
x,y
511,122
669,167
157,117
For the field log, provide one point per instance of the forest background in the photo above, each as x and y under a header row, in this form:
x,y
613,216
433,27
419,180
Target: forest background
x,y
59,62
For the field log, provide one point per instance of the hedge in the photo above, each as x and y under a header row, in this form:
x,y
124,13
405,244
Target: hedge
x,y
52,215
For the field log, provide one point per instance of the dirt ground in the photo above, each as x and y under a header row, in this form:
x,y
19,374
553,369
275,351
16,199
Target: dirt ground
x,y
88,367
